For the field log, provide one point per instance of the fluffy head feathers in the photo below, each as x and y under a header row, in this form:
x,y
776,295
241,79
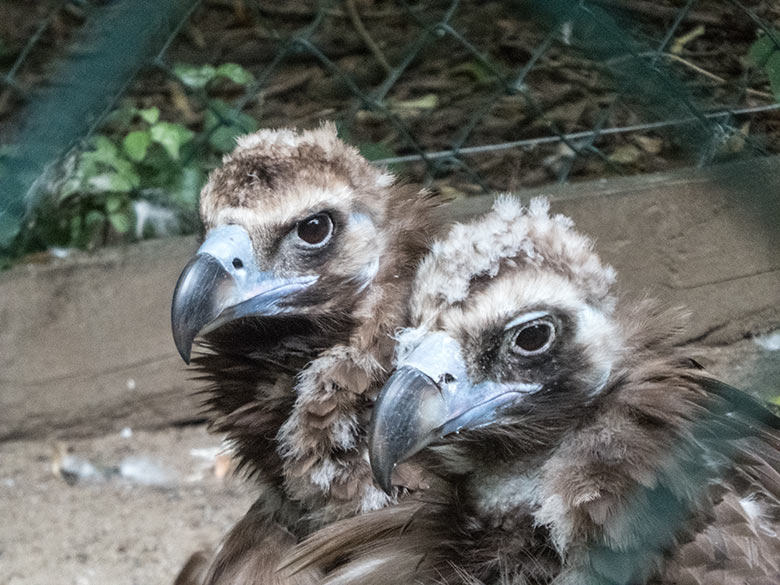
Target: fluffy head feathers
x,y
510,236
273,174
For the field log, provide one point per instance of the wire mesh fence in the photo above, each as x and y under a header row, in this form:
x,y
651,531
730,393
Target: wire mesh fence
x,y
112,113
467,97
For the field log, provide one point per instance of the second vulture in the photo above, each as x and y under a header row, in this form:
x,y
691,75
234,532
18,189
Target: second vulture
x,y
576,444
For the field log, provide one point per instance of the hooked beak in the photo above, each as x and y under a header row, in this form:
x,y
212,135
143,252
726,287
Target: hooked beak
x,y
429,397
222,283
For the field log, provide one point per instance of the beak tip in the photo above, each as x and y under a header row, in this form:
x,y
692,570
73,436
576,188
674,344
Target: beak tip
x,y
185,352
398,429
183,346
385,482
382,465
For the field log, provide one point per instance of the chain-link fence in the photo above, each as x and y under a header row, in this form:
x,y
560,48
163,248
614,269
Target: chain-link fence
x,y
465,96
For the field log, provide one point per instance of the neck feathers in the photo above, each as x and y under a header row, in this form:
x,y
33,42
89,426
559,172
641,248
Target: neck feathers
x,y
322,443
626,495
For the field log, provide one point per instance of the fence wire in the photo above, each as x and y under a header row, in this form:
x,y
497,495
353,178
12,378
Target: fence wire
x,y
466,97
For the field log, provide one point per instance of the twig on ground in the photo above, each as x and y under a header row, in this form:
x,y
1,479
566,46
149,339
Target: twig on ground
x,y
360,28
715,78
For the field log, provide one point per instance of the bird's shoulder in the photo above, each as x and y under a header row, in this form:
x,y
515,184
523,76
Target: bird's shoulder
x,y
251,551
739,544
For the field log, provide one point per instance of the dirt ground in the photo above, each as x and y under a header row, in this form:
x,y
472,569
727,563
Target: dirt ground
x,y
109,528
114,530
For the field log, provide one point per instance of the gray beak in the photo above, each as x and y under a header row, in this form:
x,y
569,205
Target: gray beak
x,y
222,284
429,397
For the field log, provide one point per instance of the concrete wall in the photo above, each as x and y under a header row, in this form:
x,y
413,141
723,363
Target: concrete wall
x,y
85,343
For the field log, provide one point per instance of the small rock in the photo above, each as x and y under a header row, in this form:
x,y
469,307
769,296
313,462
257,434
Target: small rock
x,y
75,469
143,471
770,341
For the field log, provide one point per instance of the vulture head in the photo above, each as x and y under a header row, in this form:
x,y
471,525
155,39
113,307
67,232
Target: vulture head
x,y
576,443
298,226
515,341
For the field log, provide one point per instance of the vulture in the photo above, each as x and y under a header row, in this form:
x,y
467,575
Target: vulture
x,y
574,442
296,292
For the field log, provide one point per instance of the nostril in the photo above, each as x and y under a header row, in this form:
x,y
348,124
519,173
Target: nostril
x,y
237,264
448,378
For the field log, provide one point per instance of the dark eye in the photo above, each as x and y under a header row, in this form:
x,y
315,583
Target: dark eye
x,y
534,338
315,230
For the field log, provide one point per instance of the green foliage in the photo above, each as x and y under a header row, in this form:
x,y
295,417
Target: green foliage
x,y
140,157
222,125
764,53
221,122
375,150
199,77
96,200
370,150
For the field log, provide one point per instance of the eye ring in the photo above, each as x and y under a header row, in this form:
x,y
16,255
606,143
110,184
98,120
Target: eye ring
x,y
316,230
533,337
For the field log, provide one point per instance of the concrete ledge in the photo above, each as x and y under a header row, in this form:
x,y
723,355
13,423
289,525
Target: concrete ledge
x,y
85,344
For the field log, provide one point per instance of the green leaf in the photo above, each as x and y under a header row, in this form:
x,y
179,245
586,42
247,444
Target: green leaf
x,y
93,219
235,73
120,222
171,137
224,124
75,229
375,150
220,112
194,76
223,139
150,115
122,116
136,144
476,70
114,202
765,53
772,69
186,190
762,49
103,151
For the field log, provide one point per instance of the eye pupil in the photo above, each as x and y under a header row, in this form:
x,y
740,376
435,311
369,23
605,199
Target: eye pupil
x,y
534,338
237,263
315,229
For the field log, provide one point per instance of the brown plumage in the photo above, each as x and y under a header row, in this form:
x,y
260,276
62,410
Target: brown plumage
x,y
576,444
300,284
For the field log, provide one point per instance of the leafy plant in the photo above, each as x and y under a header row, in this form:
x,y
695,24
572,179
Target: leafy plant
x,y
142,176
764,53
222,123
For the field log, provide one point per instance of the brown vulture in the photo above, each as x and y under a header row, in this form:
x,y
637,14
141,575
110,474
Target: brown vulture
x,y
576,444
297,290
